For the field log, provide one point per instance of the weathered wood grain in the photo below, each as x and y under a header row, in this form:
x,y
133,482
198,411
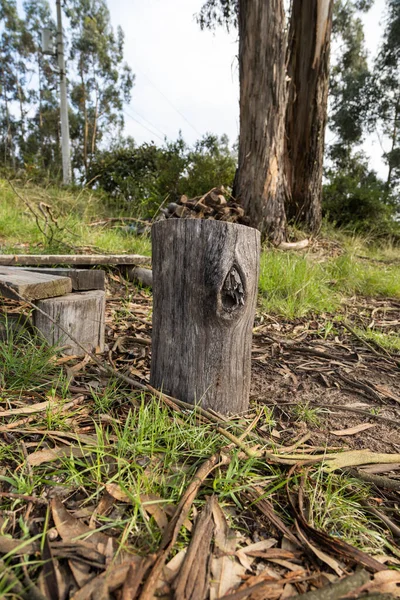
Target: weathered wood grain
x,y
82,279
81,314
15,283
73,259
205,276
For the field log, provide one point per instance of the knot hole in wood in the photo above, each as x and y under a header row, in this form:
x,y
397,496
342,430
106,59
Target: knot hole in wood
x,y
233,290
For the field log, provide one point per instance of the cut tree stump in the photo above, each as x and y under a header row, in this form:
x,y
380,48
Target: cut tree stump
x,y
81,314
15,283
205,277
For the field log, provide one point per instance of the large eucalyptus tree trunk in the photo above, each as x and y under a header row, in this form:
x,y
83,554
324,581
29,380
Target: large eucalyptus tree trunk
x,y
308,69
259,183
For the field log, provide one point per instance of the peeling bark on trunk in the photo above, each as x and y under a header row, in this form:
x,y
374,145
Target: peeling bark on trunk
x,y
259,185
308,69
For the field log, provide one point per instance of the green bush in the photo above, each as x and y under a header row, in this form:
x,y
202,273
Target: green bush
x,y
139,178
355,198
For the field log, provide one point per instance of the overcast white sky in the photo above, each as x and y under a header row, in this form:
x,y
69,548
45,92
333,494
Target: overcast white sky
x,y
187,79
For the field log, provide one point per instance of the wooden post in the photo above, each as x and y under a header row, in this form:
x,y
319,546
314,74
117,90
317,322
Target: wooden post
x,y
205,277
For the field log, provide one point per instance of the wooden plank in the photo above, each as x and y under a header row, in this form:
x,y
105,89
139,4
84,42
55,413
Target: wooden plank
x,y
34,260
205,276
82,279
32,286
81,314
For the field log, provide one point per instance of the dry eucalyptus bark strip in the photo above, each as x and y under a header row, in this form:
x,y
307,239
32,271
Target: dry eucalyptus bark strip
x,y
193,580
175,524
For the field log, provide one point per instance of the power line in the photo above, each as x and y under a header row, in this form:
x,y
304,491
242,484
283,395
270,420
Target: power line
x,y
144,126
169,102
149,123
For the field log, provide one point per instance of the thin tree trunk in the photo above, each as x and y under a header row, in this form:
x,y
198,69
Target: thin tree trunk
x,y
21,109
40,106
86,124
96,116
394,142
259,184
308,69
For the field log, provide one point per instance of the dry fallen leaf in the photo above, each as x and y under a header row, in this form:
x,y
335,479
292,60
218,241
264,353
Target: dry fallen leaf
x,y
152,504
49,454
354,430
384,582
117,492
243,553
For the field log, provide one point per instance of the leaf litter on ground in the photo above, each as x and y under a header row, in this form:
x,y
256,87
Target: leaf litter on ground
x,y
125,514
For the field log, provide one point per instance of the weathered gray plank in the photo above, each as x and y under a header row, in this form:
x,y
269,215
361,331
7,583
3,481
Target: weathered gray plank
x,y
32,286
205,276
82,279
72,259
82,315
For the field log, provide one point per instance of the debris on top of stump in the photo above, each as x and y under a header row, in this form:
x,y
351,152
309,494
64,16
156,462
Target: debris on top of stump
x,y
213,205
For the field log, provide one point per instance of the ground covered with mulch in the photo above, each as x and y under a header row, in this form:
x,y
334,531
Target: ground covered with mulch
x,y
108,491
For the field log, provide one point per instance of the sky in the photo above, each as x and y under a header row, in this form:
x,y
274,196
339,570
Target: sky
x,y
187,79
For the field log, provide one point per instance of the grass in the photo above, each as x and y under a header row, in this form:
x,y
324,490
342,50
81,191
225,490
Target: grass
x,y
293,285
390,341
136,449
335,507
19,233
308,415
26,362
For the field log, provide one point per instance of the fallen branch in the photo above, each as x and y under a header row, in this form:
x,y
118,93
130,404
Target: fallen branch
x,y
377,480
338,589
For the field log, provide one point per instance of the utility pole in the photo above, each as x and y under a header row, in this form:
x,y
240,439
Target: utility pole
x,y
65,149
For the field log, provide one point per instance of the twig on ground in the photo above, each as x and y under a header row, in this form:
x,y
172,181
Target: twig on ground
x,y
395,529
377,480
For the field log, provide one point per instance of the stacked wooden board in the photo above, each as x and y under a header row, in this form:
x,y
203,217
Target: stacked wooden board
x,y
67,301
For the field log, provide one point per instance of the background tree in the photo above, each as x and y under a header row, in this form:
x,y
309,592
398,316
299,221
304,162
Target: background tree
x,y
280,163
16,44
306,114
102,81
350,90
259,183
386,96
42,147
